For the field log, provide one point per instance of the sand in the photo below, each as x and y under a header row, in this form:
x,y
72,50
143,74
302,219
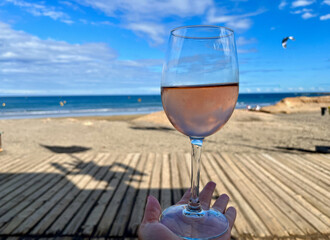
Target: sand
x,y
245,132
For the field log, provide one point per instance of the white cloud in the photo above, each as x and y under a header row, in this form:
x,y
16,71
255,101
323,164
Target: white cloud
x,y
296,12
39,9
69,4
240,24
146,16
308,15
327,2
222,18
149,9
67,21
28,63
245,41
155,31
304,10
237,22
282,4
325,17
302,3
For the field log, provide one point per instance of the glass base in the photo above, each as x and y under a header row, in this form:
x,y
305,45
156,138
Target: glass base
x,y
205,224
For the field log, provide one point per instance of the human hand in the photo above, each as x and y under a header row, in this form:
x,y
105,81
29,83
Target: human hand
x,y
152,229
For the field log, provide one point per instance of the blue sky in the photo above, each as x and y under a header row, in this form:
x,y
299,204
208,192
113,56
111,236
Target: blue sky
x,y
64,47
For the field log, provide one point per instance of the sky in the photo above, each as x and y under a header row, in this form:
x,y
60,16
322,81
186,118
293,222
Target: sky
x,y
92,47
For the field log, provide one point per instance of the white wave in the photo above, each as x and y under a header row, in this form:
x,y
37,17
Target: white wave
x,y
77,112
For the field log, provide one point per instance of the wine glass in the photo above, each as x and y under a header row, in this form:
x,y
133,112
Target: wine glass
x,y
199,91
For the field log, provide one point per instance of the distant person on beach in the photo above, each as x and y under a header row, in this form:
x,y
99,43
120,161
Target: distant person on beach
x,y
152,229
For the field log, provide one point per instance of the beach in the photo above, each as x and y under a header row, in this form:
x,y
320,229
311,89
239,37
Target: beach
x,y
90,176
245,132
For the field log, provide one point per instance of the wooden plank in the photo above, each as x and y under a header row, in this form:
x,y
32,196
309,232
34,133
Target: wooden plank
x,y
40,210
155,183
103,176
117,171
112,208
25,195
308,192
220,189
187,158
322,159
12,177
298,163
322,156
84,185
138,209
4,157
258,226
319,161
309,212
312,164
24,164
166,195
177,190
242,224
274,182
184,171
298,176
10,161
7,161
122,218
18,179
32,204
59,202
260,204
275,205
205,178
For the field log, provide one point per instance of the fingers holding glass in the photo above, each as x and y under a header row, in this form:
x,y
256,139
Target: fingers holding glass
x,y
221,203
205,196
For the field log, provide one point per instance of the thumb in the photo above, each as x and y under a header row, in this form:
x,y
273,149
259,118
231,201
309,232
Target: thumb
x,y
152,211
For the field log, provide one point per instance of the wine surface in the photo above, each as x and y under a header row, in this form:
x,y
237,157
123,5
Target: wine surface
x,y
199,111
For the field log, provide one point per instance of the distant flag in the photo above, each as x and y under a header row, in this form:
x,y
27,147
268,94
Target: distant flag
x,y
286,39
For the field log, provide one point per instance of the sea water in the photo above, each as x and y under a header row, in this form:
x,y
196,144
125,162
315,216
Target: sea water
x,y
70,106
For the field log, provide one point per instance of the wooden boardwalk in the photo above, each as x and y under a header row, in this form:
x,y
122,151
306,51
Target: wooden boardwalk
x,y
282,196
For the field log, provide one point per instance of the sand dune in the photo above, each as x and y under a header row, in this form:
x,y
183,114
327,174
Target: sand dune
x,y
298,104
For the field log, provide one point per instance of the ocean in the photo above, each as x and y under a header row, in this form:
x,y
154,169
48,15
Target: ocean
x,y
71,106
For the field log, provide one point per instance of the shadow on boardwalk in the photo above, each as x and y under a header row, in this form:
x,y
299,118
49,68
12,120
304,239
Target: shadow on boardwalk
x,y
81,195
77,198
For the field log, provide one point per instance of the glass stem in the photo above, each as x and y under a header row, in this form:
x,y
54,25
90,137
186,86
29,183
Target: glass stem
x,y
196,144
